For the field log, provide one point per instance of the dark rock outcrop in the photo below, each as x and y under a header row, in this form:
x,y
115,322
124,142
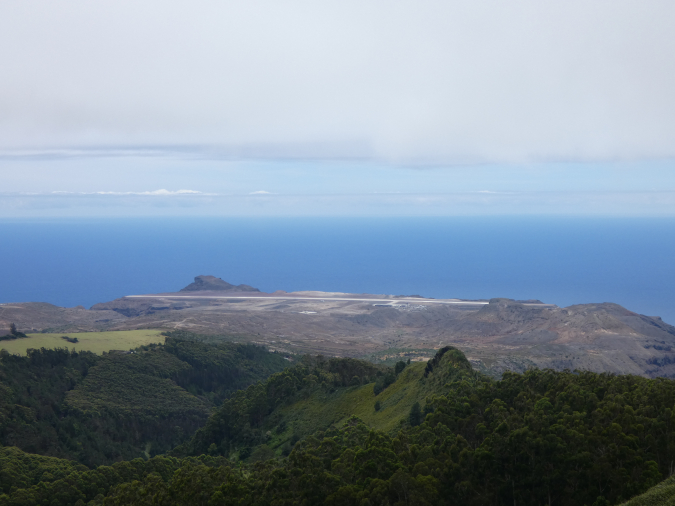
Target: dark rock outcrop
x,y
212,283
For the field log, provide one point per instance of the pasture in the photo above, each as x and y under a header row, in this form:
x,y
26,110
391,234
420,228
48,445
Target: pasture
x,y
96,342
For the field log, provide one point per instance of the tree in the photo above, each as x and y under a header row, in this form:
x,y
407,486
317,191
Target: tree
x,y
415,416
14,332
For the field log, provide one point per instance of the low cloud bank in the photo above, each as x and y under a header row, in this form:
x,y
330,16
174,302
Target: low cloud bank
x,y
636,204
163,193
418,81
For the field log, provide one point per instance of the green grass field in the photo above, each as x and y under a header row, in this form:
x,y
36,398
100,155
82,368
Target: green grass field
x,y
97,342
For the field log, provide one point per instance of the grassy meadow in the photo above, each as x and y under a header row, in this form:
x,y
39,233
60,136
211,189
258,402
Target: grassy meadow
x,y
96,342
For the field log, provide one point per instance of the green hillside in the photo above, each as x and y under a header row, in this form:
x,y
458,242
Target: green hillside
x,y
662,494
268,419
441,434
585,438
99,409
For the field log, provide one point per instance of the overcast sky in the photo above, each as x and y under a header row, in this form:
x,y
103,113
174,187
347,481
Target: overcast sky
x,y
382,96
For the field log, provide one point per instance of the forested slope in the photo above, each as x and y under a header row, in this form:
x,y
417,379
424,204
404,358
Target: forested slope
x,y
269,417
575,438
99,409
273,415
443,435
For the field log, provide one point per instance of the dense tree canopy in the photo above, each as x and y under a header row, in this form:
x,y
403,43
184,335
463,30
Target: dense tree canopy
x,y
100,409
543,437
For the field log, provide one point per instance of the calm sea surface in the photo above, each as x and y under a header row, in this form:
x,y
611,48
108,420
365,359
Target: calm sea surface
x,y
557,260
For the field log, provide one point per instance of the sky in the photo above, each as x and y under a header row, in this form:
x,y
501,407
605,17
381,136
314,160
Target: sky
x,y
398,107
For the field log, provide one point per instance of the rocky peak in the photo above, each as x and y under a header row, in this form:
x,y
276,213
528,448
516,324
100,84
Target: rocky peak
x,y
212,283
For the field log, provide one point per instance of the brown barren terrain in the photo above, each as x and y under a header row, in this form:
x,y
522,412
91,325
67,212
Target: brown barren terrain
x,y
497,335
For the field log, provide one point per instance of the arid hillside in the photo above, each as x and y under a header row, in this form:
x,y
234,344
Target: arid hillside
x,y
496,335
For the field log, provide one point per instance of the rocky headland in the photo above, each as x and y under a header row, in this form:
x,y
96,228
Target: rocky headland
x,y
212,283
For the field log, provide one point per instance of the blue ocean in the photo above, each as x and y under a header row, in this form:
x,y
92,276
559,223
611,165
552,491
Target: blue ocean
x,y
557,260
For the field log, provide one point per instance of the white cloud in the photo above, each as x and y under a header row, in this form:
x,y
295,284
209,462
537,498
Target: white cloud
x,y
162,193
448,80
261,192
648,204
155,192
